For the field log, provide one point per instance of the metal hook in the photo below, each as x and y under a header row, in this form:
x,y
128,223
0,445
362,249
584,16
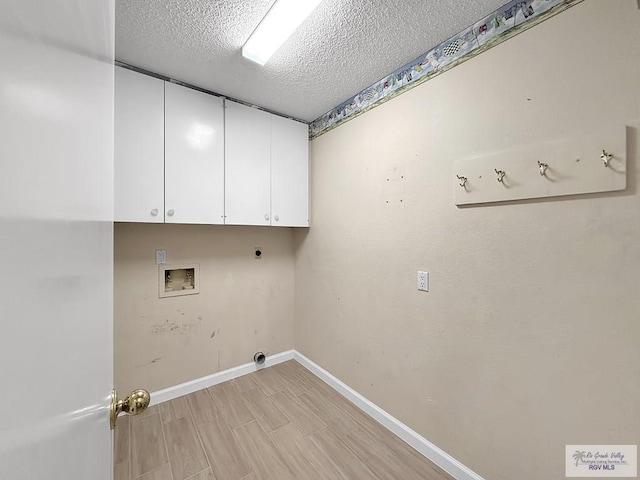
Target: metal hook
x,y
606,157
543,167
501,174
463,181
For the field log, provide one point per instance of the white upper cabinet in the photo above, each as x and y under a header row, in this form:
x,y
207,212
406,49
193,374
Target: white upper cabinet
x,y
184,156
139,147
289,173
194,156
247,165
266,168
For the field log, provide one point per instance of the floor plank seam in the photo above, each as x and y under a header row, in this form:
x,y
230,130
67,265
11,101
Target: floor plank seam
x,y
195,426
166,447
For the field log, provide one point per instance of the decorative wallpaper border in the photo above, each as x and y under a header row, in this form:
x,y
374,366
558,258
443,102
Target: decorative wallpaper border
x,y
504,23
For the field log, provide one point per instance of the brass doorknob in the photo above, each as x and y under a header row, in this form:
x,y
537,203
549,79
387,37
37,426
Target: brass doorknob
x,y
134,404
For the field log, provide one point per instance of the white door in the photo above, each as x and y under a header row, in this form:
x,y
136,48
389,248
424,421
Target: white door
x,y
194,156
289,173
56,182
247,165
139,147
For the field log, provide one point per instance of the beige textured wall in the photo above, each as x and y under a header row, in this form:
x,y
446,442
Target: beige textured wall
x,y
244,305
529,338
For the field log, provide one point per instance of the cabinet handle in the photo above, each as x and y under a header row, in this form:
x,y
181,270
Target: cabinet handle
x,y
170,212
266,217
154,212
276,218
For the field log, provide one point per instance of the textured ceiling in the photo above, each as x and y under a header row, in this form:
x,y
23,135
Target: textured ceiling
x,y
342,48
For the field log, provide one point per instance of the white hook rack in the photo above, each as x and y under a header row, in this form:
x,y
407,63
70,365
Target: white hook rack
x,y
570,175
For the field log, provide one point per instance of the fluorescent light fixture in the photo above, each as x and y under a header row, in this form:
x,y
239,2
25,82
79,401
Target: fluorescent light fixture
x,y
284,17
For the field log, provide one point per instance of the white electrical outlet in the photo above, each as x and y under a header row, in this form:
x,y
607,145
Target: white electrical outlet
x,y
423,281
161,257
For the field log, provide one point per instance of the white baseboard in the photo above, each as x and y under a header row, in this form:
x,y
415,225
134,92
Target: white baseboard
x,y
214,379
445,461
417,441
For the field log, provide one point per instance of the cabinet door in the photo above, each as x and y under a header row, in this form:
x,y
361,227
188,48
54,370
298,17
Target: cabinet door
x,y
139,147
247,169
289,173
194,156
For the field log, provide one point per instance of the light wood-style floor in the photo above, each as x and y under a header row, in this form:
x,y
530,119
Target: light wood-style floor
x,y
280,423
